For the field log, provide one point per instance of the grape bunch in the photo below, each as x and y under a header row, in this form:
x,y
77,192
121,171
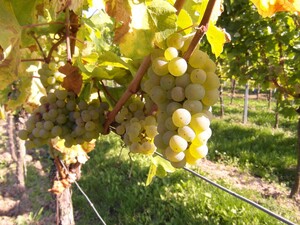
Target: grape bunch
x,y
184,92
62,114
136,128
50,77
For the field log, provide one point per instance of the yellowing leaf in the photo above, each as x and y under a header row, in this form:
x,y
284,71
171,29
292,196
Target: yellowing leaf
x,y
217,38
185,22
121,12
267,8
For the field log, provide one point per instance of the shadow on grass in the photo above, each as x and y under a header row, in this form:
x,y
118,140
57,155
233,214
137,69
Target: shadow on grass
x,y
265,154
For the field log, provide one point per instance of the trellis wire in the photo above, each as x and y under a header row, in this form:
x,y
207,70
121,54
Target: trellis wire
x,y
85,195
278,217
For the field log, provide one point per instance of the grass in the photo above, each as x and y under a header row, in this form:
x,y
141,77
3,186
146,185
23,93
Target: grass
x,y
256,147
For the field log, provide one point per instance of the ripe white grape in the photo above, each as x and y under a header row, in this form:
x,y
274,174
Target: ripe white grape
x,y
198,59
170,53
211,97
167,82
198,152
23,134
198,76
193,106
194,91
183,80
177,66
175,40
199,122
178,143
158,95
181,117
210,66
173,156
160,66
212,81
177,94
172,106
187,133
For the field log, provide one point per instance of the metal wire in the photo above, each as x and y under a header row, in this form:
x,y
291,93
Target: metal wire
x,y
278,217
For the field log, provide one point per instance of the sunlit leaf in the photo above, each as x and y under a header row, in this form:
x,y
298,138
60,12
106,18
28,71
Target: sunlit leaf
x,y
216,37
151,174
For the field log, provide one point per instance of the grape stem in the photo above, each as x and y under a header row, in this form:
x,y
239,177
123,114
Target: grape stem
x,y
201,30
68,44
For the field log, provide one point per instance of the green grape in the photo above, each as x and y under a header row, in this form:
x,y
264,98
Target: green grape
x,y
170,53
167,82
177,94
90,126
23,134
198,59
212,81
202,137
39,125
43,100
173,156
187,133
56,131
179,164
169,124
198,76
160,66
210,66
120,129
181,117
51,98
159,143
157,52
158,95
61,119
52,66
86,116
194,91
60,103
148,148
135,148
36,132
43,133
79,130
172,106
51,80
198,152
150,120
53,113
178,143
177,66
82,105
48,125
199,122
183,80
175,40
151,131
61,94
167,136
189,158
211,97
193,106
71,105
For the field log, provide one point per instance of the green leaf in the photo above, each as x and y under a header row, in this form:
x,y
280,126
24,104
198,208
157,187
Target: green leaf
x,y
164,163
24,11
151,174
184,21
216,38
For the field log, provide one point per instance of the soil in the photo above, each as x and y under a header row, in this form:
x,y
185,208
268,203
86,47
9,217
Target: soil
x,y
15,204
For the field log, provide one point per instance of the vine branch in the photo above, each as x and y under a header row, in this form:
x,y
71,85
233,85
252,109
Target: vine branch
x,y
202,28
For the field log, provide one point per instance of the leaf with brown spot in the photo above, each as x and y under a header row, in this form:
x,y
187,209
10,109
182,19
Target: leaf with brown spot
x,y
120,10
73,79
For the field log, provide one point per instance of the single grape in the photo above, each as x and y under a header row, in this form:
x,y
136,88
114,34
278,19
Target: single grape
x,y
177,66
160,66
175,40
198,59
170,53
61,94
193,106
194,91
173,156
198,76
23,134
51,80
212,81
56,131
90,126
211,97
198,152
177,94
183,80
158,95
199,122
172,106
181,117
187,133
167,82
178,143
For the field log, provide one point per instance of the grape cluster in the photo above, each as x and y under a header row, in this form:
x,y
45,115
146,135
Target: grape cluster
x,y
137,129
61,114
183,92
50,77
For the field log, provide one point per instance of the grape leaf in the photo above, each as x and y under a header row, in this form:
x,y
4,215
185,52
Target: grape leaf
x,y
151,173
185,22
73,79
216,37
24,11
121,12
267,8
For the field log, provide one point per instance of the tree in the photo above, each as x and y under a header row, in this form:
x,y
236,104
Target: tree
x,y
79,69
